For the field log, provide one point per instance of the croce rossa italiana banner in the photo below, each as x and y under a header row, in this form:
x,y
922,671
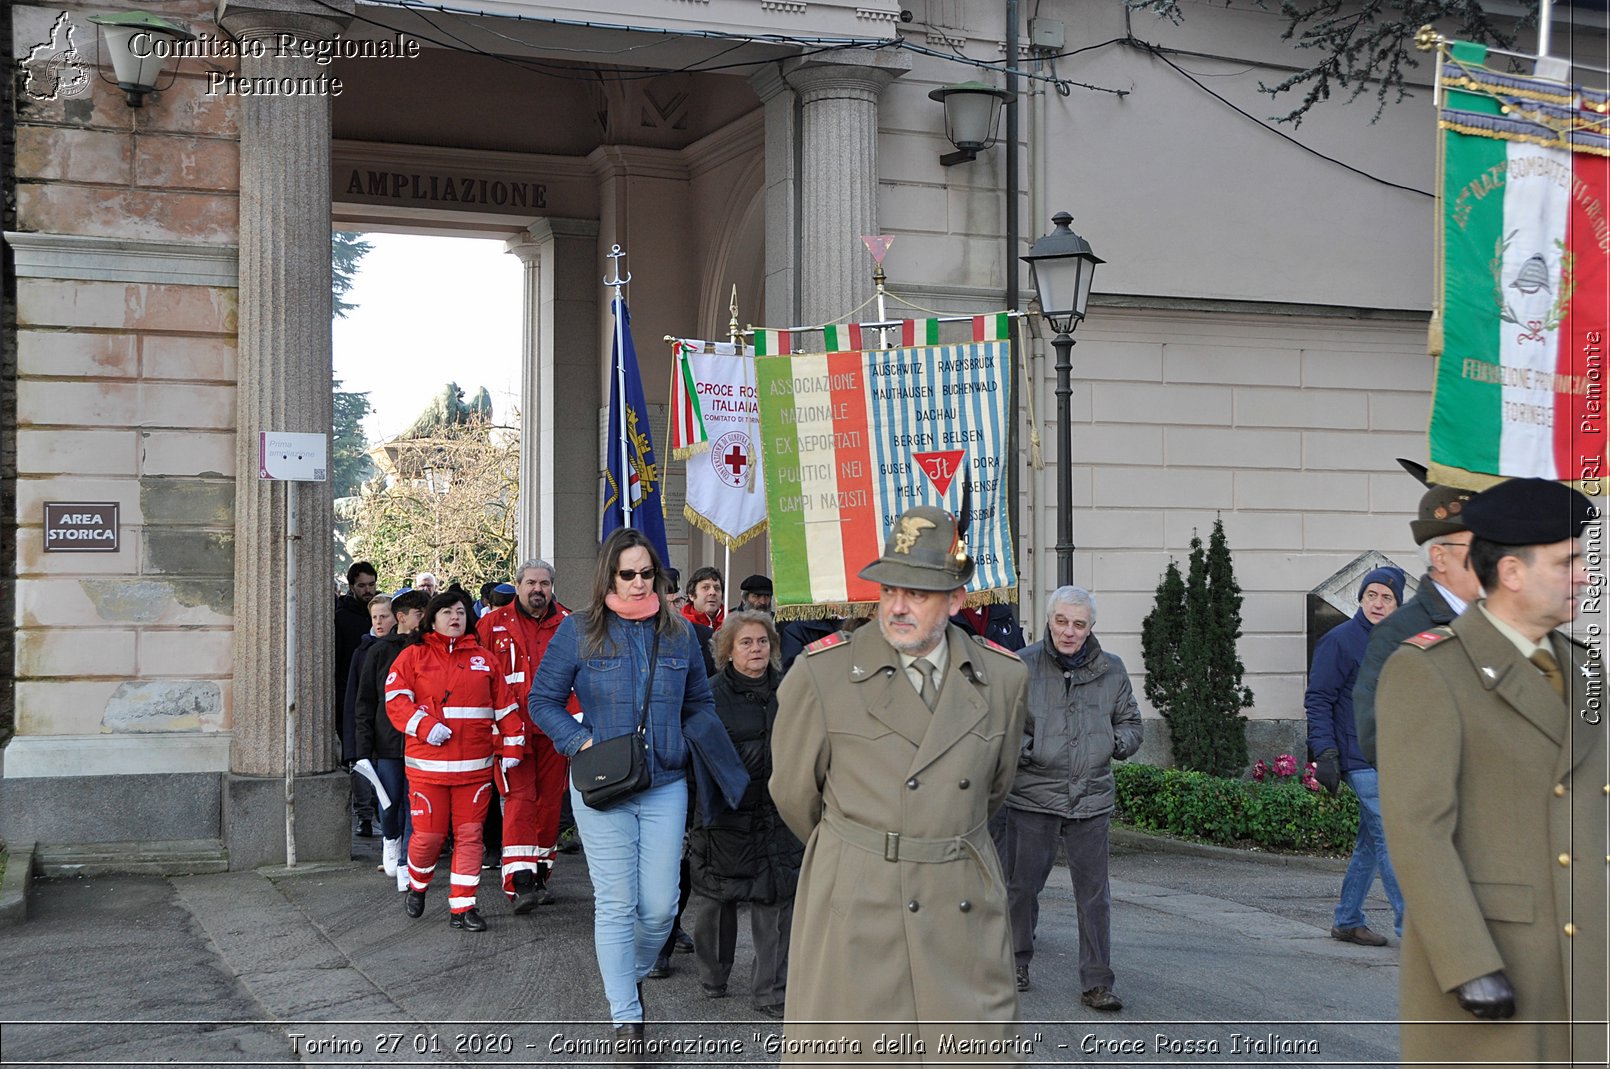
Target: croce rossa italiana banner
x,y
1525,279
853,439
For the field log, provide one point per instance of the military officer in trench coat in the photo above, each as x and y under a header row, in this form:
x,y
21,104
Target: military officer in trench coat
x,y
892,748
1493,792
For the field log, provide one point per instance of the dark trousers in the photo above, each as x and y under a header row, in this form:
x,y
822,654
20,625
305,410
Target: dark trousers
x,y
715,938
1032,841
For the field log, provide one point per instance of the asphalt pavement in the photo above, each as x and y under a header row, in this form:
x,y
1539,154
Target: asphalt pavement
x,y
1222,958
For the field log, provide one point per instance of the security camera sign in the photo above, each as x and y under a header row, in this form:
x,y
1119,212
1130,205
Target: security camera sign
x,y
291,456
81,526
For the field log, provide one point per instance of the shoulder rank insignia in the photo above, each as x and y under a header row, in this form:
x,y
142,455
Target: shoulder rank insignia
x,y
996,646
837,638
1426,639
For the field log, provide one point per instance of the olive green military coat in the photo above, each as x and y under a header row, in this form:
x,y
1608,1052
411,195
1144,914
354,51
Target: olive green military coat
x,y
901,937
1493,793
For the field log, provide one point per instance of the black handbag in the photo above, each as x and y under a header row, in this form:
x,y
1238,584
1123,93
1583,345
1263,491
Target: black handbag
x,y
609,772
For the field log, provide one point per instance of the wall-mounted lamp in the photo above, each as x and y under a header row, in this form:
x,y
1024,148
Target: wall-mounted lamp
x,y
972,111
140,44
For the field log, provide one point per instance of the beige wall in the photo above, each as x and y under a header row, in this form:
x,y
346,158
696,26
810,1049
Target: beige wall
x,y
126,372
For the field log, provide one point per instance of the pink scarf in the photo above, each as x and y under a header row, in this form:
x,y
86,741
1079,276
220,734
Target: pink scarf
x,y
635,609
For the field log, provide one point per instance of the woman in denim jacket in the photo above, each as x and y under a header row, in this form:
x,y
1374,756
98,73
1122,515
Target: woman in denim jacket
x,y
634,848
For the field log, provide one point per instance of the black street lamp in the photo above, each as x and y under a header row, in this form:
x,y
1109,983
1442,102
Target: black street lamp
x,y
1062,267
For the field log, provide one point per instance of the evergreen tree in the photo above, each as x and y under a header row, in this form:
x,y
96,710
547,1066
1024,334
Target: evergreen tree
x,y
1200,694
1161,638
346,250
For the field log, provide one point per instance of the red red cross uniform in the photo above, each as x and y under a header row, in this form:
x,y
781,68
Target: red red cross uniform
x,y
533,791
452,683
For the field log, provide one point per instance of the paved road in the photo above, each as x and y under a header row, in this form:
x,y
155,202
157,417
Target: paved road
x,y
321,966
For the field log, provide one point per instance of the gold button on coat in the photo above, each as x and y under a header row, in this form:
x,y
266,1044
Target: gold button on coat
x,y
1570,930
1565,861
1559,790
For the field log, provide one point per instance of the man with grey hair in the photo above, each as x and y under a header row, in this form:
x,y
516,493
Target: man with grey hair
x,y
1082,715
533,790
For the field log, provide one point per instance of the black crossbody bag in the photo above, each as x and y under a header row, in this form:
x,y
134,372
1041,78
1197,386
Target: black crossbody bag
x,y
609,772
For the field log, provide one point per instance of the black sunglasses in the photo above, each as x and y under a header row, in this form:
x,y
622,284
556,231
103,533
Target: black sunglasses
x,y
627,575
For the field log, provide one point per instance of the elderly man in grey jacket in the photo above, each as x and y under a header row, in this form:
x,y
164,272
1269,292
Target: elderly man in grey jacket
x,y
1081,715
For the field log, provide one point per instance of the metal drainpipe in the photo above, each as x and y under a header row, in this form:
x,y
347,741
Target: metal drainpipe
x,y
1010,275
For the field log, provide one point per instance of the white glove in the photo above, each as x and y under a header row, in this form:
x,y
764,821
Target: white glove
x,y
510,762
439,733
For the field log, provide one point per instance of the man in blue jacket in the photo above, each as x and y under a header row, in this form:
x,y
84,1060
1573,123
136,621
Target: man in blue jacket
x,y
1333,739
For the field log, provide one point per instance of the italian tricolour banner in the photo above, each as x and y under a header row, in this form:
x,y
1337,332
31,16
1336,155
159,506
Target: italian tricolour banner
x,y
1525,279
854,439
715,427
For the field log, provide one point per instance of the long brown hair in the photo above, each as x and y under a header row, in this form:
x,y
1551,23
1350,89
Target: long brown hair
x,y
595,618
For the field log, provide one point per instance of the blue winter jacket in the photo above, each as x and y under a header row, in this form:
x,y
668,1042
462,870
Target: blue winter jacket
x,y
682,728
1329,699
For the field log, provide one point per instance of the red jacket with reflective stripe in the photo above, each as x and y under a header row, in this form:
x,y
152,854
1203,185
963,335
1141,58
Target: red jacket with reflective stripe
x,y
517,643
452,682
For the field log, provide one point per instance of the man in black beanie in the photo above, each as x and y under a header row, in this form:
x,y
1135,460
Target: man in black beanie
x,y
1493,792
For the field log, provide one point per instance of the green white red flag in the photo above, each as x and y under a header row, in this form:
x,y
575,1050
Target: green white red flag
x,y
854,439
1524,281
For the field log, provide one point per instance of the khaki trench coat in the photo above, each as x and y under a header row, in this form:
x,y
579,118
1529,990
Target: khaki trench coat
x,y
1494,797
902,938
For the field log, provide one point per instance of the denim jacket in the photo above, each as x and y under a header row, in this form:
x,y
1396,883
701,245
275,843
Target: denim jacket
x,y
609,683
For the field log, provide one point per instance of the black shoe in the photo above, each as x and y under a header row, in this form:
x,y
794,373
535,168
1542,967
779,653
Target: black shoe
x,y
1022,977
774,1011
714,990
544,895
569,840
684,941
470,920
414,903
526,896
366,829
661,969
629,1048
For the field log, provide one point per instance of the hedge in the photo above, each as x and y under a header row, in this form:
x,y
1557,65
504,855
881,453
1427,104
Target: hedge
x,y
1271,816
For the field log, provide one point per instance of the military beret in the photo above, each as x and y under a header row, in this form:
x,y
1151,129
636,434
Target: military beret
x,y
756,584
1528,512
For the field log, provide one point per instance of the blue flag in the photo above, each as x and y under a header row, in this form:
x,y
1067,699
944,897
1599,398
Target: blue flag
x,y
641,475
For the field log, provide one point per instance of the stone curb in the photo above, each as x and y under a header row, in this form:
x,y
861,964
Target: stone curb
x,y
14,891
1133,839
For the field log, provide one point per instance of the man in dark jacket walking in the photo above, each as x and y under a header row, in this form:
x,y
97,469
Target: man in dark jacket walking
x,y
1082,715
1333,740
1446,590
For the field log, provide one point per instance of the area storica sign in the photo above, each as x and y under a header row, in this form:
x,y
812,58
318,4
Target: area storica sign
x,y
81,526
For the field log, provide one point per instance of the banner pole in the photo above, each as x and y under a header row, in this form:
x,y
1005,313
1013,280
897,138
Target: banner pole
x,y
624,490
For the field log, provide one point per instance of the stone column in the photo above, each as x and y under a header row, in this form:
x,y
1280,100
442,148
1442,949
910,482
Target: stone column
x,y
559,398
536,387
838,178
284,373
782,196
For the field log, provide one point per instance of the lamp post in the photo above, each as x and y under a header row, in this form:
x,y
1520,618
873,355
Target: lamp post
x,y
1062,267
972,110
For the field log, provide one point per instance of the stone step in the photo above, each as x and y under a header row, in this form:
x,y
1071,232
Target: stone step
x,y
178,857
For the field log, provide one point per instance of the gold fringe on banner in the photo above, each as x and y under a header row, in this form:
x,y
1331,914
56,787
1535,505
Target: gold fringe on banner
x,y
686,451
709,528
1552,142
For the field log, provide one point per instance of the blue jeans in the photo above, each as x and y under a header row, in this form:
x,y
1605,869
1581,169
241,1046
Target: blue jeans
x,y
634,851
391,773
1369,854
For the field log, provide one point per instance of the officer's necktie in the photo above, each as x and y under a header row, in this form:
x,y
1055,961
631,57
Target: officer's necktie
x,y
925,669
1551,670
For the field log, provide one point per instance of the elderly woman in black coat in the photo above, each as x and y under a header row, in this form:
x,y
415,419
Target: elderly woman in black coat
x,y
747,854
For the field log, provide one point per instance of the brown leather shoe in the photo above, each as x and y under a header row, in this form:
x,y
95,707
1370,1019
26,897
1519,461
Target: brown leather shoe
x,y
1360,935
1100,998
1022,977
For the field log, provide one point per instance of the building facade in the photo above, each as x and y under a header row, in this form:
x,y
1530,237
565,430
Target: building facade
x,y
1255,348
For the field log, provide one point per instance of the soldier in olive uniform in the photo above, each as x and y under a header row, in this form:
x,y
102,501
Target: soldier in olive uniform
x,y
1493,793
892,748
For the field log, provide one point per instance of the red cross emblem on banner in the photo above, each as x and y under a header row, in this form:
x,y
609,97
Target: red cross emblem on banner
x,y
730,456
